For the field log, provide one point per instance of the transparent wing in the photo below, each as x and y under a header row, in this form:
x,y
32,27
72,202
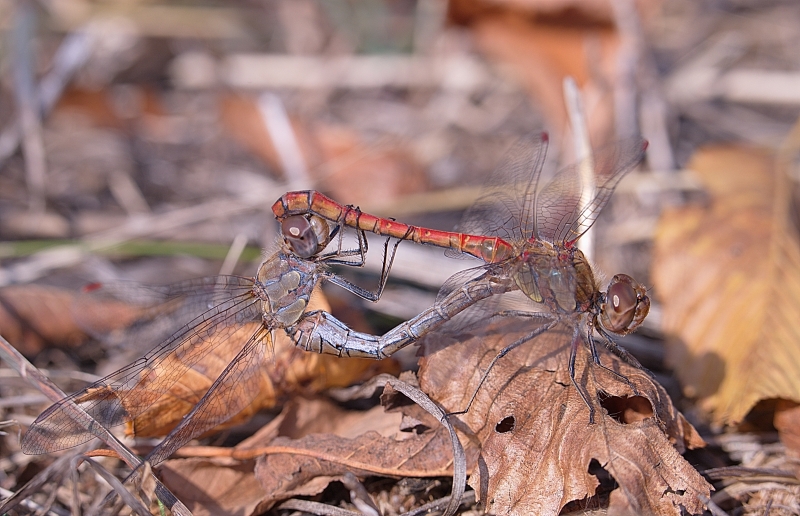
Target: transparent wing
x,y
123,395
132,316
230,393
560,214
505,207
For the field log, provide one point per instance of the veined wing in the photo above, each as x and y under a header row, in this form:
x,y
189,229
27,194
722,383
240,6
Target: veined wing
x,y
129,314
126,393
506,205
561,216
232,391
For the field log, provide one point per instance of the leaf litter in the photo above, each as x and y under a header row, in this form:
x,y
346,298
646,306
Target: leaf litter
x,y
538,452
291,459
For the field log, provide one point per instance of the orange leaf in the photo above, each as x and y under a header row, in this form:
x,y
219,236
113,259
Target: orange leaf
x,y
729,277
287,371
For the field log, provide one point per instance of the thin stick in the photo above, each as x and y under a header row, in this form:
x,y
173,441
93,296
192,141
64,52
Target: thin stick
x,y
27,106
73,53
583,154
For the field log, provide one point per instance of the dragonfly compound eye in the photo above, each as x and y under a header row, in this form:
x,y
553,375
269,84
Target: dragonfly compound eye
x,y
626,305
299,234
322,231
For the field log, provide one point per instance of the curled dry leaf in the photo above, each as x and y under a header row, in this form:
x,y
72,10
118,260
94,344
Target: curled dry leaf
x,y
289,371
728,274
295,471
32,317
234,467
539,452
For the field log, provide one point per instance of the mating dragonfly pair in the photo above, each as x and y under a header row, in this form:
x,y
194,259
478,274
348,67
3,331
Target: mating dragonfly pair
x,y
526,236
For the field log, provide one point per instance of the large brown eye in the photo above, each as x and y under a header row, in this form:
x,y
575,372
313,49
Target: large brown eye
x,y
620,306
626,305
299,234
321,230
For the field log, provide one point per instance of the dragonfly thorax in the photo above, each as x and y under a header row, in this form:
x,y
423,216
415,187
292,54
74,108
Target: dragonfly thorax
x,y
558,277
284,285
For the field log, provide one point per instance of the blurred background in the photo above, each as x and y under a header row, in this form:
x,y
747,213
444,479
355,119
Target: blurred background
x,y
147,141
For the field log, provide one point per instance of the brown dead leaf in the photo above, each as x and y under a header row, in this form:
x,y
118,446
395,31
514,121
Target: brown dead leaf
x,y
351,168
101,110
787,422
33,317
311,458
539,452
540,43
728,275
214,487
310,444
576,11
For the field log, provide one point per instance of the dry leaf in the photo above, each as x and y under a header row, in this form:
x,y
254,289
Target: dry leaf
x,y
33,317
728,275
308,464
576,11
139,317
539,452
214,487
365,175
540,43
319,441
787,422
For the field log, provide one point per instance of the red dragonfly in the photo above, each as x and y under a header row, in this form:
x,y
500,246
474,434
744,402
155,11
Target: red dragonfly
x,y
530,246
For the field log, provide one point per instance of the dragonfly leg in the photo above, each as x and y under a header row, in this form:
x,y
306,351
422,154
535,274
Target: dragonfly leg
x,y
503,352
621,352
609,344
385,268
584,395
337,257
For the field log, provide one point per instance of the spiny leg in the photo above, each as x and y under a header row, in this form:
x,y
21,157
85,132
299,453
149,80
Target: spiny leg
x,y
385,268
355,289
596,358
621,352
584,395
334,257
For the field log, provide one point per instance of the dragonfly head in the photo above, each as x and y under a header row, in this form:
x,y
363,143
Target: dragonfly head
x,y
625,305
305,236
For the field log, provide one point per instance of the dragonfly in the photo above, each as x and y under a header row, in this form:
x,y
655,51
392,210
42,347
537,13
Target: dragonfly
x,y
529,246
219,310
